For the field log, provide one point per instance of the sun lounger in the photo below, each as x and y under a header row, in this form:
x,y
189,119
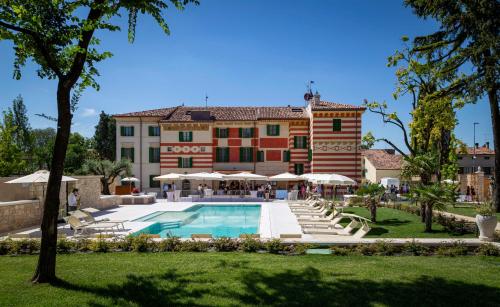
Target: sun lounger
x,y
324,219
356,221
323,223
201,236
290,236
83,227
91,220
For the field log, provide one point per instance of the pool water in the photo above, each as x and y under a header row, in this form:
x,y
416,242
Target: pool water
x,y
218,220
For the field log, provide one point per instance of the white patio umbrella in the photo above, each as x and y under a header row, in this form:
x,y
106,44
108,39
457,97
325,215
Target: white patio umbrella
x,y
41,176
169,176
130,180
450,181
334,179
204,176
286,177
245,176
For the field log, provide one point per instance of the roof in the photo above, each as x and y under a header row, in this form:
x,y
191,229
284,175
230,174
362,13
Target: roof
x,y
183,114
163,112
332,106
381,159
479,151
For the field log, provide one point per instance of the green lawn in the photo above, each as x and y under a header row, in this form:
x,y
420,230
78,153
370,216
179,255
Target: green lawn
x,y
467,211
392,223
238,279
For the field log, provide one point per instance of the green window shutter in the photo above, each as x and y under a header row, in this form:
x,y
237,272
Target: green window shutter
x,y
150,131
122,152
190,162
252,130
122,131
217,154
181,136
241,154
150,154
251,153
190,136
240,131
309,155
295,142
179,162
132,154
337,124
132,131
277,129
227,154
217,132
268,130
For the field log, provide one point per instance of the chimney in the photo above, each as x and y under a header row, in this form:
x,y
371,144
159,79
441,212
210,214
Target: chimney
x,y
316,97
476,145
487,145
390,151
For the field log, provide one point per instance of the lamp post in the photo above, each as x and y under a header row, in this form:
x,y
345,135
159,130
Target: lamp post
x,y
474,150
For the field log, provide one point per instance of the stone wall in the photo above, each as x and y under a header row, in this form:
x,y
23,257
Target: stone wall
x,y
20,214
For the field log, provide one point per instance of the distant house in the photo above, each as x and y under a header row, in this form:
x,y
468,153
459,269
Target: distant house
x,y
380,163
468,162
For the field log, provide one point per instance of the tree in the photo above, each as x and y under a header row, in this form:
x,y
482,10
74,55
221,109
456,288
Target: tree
x,y
22,134
59,37
374,191
434,196
11,157
109,170
43,146
105,137
77,153
466,45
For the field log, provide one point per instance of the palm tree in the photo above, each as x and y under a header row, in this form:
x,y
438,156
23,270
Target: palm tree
x,y
108,170
434,196
374,192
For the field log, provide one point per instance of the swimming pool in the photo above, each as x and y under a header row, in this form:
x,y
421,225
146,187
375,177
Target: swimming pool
x,y
218,220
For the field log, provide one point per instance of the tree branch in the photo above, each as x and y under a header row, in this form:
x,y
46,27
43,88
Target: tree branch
x,y
393,146
40,44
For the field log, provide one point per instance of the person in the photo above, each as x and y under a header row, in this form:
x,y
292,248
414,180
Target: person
x,y
473,194
267,190
467,194
165,190
200,190
73,200
303,191
173,186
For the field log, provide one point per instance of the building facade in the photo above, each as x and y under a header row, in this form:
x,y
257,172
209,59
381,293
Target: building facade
x,y
380,163
477,156
323,137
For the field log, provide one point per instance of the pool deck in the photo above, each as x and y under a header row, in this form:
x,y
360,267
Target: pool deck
x,y
276,219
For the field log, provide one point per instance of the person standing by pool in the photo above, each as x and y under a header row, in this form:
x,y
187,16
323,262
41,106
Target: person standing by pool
x,y
73,200
165,190
200,190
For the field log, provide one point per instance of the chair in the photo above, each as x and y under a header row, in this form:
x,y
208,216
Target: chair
x,y
332,223
78,225
91,220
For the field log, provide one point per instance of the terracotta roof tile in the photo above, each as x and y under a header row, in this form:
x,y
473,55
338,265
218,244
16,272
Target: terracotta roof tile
x,y
479,151
381,159
164,112
327,105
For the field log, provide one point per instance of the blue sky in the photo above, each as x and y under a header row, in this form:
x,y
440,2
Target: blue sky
x,y
246,53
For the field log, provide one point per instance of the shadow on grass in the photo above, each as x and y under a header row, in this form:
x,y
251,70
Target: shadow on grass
x,y
307,287
392,222
377,231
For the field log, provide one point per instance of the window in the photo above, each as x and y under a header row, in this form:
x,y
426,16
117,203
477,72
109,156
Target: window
x,y
273,130
486,158
202,149
185,162
460,170
246,132
246,154
185,136
298,168
222,154
127,130
300,141
337,125
286,155
128,153
222,133
153,183
487,170
169,148
260,156
154,131
154,154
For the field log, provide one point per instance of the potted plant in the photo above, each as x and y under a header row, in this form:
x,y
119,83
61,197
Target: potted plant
x,y
486,221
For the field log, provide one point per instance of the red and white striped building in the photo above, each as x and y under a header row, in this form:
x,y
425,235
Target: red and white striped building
x,y
323,137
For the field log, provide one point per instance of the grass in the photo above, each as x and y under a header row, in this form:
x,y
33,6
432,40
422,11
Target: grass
x,y
392,223
466,211
238,279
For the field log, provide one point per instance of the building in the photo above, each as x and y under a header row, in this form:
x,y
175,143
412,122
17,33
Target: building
x,y
323,137
474,157
380,163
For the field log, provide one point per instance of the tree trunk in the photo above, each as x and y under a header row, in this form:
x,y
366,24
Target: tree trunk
x,y
422,212
495,122
428,218
105,186
46,268
373,210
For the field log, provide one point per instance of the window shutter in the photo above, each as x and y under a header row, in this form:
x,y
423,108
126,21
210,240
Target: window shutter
x,y
122,152
268,130
251,153
226,157
190,136
217,154
150,155
122,131
217,132
240,132
295,142
132,154
179,162
309,155
132,131
337,124
252,132
181,136
241,154
150,131
190,162
277,129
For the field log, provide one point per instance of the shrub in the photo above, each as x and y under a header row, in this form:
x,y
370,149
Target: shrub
x,y
415,249
171,244
194,246
297,249
64,246
141,243
451,224
456,249
24,246
99,245
384,248
250,245
488,250
83,245
224,244
125,244
340,251
5,246
274,246
366,249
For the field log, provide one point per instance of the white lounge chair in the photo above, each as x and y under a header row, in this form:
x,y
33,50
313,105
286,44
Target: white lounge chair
x,y
322,224
91,220
83,227
356,220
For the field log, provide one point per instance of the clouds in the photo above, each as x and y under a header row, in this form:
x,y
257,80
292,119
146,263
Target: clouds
x,y
88,112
